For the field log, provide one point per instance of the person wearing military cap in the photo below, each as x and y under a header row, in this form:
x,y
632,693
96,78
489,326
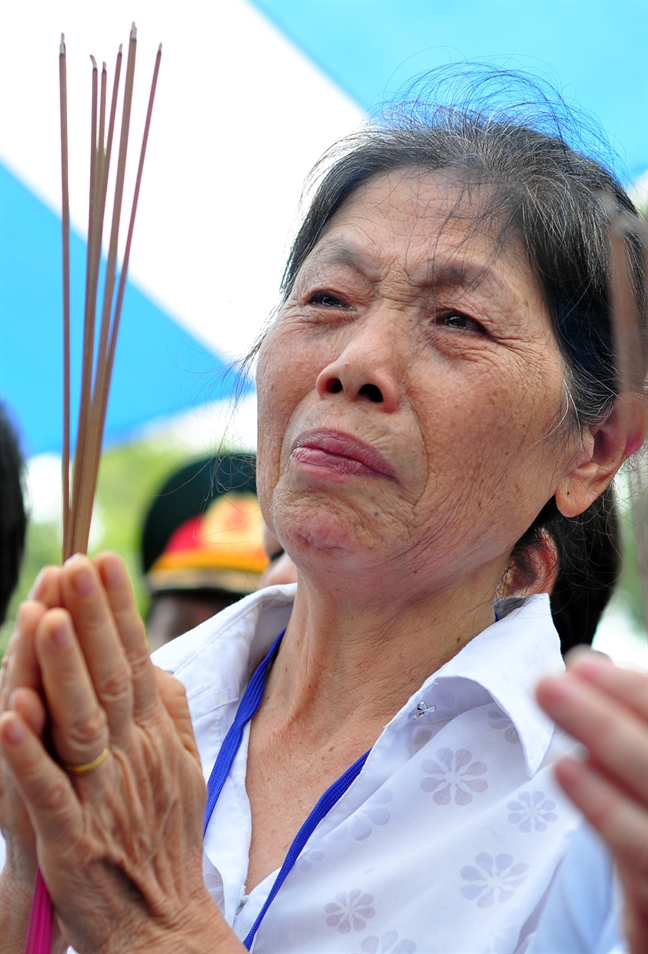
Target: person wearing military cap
x,y
202,543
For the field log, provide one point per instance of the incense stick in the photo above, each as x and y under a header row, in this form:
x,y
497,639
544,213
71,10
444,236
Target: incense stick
x,y
65,222
129,238
89,313
104,372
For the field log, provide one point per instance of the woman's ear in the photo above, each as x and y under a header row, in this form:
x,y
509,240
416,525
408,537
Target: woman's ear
x,y
604,447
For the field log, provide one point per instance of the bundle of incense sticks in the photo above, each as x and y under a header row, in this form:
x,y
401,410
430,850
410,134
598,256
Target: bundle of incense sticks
x,y
98,351
631,356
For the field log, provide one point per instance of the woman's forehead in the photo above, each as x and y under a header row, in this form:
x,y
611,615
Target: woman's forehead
x,y
430,220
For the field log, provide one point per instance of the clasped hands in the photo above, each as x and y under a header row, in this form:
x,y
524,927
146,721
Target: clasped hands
x,y
119,844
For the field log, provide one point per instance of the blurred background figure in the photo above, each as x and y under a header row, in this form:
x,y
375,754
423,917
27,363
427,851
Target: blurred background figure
x,y
13,519
202,544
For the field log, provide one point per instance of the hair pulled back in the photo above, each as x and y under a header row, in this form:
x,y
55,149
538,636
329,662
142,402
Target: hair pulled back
x,y
511,134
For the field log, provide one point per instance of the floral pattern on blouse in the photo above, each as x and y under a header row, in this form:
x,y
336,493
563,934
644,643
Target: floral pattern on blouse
x,y
309,858
374,814
497,720
454,771
496,881
532,811
349,911
388,943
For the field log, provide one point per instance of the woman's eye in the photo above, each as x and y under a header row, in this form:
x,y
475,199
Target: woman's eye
x,y
327,299
454,319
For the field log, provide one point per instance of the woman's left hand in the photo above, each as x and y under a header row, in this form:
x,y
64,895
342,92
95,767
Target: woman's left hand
x,y
120,846
606,709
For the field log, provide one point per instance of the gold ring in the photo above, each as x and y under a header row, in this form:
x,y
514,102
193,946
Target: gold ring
x,y
88,766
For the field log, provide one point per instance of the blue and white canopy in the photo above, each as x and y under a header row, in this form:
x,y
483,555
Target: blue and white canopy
x,y
250,95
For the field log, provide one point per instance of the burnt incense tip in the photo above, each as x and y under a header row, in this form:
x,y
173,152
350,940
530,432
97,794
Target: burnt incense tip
x,y
160,48
62,46
133,33
104,67
94,62
119,51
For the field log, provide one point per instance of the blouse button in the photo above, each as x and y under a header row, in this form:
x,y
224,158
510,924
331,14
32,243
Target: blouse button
x,y
422,709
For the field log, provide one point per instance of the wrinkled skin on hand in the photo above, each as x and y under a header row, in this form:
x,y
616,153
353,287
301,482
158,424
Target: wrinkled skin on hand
x,y
120,848
606,709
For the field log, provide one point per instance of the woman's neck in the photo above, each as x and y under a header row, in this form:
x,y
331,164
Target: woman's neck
x,y
349,659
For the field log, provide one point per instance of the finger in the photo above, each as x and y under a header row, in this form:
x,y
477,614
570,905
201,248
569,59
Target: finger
x,y
174,699
130,627
96,634
619,820
44,787
628,688
614,736
29,706
78,722
46,588
20,666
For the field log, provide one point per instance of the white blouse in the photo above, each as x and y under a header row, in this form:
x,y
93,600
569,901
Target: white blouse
x,y
449,838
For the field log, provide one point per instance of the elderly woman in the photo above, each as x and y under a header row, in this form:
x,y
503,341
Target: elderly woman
x,y
437,387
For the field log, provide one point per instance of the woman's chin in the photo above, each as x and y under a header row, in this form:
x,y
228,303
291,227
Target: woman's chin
x,y
316,532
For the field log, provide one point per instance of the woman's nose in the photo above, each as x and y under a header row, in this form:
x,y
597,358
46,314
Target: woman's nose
x,y
366,370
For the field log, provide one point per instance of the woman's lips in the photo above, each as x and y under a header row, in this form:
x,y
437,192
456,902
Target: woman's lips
x,y
338,454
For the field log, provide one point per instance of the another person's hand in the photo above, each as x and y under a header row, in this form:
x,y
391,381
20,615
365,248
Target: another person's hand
x,y
119,845
606,709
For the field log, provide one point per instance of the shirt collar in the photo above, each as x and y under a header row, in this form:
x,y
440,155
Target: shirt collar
x,y
505,661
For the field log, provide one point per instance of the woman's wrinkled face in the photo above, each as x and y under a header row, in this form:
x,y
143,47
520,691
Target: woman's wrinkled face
x,y
410,391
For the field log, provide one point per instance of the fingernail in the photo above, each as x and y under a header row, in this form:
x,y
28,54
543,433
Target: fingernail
x,y
15,733
83,582
113,573
37,589
62,634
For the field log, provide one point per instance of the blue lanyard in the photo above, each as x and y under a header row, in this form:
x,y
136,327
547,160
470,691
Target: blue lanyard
x,y
231,744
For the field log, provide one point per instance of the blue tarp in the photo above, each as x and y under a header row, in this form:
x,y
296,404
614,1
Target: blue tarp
x,y
594,51
159,368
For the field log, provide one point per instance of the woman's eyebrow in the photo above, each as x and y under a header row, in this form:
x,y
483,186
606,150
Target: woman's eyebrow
x,y
455,275
465,276
338,252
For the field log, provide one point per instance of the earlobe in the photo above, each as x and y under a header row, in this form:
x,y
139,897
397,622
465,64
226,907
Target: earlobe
x,y
603,450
